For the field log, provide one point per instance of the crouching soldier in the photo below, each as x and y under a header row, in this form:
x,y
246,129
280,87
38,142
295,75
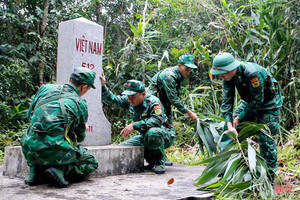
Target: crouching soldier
x,y
261,101
147,113
57,117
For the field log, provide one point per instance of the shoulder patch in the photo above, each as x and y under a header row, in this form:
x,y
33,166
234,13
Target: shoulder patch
x,y
255,82
157,109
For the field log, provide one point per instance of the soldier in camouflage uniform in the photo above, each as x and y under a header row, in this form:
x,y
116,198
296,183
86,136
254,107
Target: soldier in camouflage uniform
x,y
148,116
57,116
166,84
261,101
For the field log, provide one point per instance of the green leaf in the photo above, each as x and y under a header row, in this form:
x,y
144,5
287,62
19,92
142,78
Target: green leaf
x,y
211,174
237,187
200,145
210,140
224,155
232,165
202,135
250,131
252,157
255,40
214,133
211,186
234,46
247,38
133,29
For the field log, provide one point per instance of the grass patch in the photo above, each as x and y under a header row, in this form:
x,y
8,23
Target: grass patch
x,y
187,155
288,172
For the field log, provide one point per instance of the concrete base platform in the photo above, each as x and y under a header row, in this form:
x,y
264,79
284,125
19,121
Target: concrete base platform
x,y
133,186
113,160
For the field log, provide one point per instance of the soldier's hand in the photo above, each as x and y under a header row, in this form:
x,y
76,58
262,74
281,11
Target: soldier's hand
x,y
127,130
232,128
192,115
236,121
102,78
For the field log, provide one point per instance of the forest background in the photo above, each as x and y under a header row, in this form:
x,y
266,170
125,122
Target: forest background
x,y
143,37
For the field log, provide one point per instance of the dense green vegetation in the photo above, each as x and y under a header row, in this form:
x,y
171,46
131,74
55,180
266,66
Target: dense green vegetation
x,y
142,37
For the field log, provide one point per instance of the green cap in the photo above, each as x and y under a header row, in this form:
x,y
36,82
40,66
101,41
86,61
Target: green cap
x,y
133,87
187,60
223,63
84,75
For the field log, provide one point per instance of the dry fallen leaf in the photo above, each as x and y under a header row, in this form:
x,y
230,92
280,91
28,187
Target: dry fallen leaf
x,y
171,181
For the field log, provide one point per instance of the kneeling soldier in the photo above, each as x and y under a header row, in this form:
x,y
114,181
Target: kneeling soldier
x,y
57,117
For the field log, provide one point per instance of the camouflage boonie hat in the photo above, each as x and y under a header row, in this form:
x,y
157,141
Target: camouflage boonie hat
x,y
133,87
84,75
223,63
187,60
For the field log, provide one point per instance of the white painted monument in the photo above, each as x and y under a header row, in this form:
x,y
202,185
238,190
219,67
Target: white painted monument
x,y
80,44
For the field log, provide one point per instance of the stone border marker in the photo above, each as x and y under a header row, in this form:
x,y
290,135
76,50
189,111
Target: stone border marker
x,y
80,44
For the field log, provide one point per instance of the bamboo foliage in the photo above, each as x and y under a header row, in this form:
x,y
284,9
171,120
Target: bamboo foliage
x,y
244,169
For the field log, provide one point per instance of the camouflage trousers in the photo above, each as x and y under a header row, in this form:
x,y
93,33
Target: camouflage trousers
x,y
74,161
155,141
267,146
85,164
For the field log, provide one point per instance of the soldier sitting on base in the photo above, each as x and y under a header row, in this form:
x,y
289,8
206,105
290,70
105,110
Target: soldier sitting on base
x,y
147,113
57,117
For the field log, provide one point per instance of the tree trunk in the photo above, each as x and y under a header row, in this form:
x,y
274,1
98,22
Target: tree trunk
x,y
42,33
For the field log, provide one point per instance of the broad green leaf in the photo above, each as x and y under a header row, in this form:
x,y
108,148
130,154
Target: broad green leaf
x,y
200,145
234,45
214,133
211,174
133,29
211,186
263,174
210,140
238,186
252,157
250,53
225,4
231,168
203,138
247,38
220,156
206,195
255,40
250,131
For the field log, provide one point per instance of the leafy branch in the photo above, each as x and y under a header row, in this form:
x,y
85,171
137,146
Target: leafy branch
x,y
244,170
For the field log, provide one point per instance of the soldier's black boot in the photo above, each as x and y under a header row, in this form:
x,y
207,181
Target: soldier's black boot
x,y
168,162
34,176
57,176
159,166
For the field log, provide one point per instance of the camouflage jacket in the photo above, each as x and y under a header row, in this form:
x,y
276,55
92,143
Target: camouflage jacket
x,y
46,141
256,87
165,85
145,116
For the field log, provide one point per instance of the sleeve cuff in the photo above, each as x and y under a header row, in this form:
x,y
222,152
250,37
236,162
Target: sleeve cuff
x,y
241,115
184,110
104,89
135,125
228,119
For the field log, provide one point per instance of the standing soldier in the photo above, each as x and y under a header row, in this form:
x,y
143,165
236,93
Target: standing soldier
x,y
166,84
261,101
149,118
57,117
